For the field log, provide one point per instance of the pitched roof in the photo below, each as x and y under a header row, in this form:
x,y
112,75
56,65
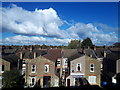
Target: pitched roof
x,y
27,54
77,55
89,52
10,51
12,58
99,52
67,53
114,55
53,54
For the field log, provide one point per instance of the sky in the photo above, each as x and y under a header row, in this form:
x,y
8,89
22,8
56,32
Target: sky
x,y
57,23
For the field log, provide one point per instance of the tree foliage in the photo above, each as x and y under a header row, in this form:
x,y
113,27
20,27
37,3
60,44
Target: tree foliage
x,y
12,79
74,44
87,42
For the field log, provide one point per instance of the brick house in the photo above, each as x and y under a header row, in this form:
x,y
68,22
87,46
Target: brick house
x,y
40,64
40,71
81,67
4,66
111,64
63,65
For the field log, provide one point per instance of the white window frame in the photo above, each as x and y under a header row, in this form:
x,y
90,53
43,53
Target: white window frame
x,y
92,67
32,68
48,68
77,66
31,80
92,79
58,60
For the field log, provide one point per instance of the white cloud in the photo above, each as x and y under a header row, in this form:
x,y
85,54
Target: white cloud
x,y
21,40
99,37
47,23
39,22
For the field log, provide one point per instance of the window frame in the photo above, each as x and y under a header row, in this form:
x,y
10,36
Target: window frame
x,y
32,68
92,67
92,79
31,80
77,67
47,67
58,62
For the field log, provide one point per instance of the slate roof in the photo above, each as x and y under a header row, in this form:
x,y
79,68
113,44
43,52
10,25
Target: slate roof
x,y
53,54
88,52
114,55
12,58
67,53
9,51
75,56
99,52
27,54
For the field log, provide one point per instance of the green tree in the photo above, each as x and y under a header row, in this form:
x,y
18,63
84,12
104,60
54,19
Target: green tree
x,y
87,42
74,44
12,79
44,46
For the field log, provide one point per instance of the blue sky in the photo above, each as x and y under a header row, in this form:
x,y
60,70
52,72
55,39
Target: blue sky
x,y
57,23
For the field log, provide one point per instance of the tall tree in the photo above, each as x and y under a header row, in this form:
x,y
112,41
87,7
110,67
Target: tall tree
x,y
87,42
74,44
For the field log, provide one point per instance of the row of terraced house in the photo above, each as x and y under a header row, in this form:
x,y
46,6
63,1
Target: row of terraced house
x,y
62,67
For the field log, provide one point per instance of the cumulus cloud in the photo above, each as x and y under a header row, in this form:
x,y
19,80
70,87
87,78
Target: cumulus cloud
x,y
46,23
26,40
99,37
20,39
39,22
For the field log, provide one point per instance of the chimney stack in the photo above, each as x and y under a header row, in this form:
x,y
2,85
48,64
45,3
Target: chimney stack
x,y
94,48
31,49
91,55
34,55
104,53
21,56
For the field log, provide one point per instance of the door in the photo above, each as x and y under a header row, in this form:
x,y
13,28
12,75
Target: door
x,y
68,82
46,81
78,82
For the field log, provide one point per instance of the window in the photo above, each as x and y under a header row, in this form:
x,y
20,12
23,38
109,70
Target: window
x,y
92,79
78,68
3,68
58,62
32,81
58,70
33,68
91,67
72,70
46,68
66,70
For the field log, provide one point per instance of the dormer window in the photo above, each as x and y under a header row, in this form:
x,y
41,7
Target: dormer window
x,y
78,67
33,68
46,70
